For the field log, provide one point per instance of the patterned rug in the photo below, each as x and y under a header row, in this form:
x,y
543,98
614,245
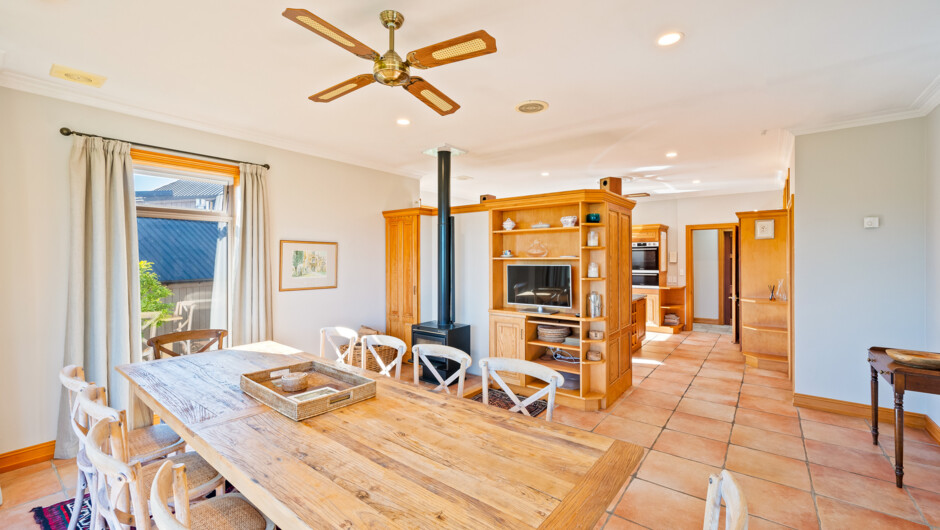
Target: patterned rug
x,y
57,516
502,400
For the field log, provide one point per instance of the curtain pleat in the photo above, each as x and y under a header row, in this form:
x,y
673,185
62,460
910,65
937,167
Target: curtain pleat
x,y
251,273
103,314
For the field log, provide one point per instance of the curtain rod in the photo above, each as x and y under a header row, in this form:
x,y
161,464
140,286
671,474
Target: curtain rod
x,y
65,131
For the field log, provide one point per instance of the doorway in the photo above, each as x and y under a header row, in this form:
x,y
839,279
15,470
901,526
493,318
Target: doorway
x,y
711,274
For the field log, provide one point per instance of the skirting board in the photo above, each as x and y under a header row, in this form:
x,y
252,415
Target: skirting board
x,y
847,408
27,456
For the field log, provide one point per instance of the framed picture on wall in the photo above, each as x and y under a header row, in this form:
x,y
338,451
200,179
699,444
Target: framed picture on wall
x,y
764,229
307,265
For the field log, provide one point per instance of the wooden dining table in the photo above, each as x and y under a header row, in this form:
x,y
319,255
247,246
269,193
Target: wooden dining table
x,y
407,458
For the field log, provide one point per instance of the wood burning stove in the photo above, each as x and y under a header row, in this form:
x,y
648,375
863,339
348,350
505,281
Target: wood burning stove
x,y
443,330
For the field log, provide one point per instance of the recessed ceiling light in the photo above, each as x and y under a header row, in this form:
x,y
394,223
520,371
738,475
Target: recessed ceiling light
x,y
532,106
672,154
650,168
403,121
696,182
669,39
77,76
545,173
464,177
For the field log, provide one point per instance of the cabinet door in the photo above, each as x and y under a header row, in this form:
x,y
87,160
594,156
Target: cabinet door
x,y
613,359
507,339
625,351
401,276
652,309
614,271
409,268
393,280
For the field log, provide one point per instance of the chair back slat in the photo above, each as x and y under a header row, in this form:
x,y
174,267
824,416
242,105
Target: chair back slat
x,y
119,494
160,343
420,354
491,366
724,487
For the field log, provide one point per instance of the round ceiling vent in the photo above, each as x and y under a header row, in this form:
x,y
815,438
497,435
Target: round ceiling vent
x,y
532,106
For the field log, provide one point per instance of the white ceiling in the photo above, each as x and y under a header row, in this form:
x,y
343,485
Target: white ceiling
x,y
725,97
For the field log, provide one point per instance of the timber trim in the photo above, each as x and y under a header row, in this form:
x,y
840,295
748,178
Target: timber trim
x,y
167,161
543,199
848,408
27,456
932,429
409,212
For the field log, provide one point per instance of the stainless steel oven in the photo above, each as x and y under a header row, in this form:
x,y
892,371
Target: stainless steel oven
x,y
646,256
644,278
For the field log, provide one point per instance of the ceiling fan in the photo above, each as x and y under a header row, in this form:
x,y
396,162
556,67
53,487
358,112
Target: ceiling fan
x,y
389,69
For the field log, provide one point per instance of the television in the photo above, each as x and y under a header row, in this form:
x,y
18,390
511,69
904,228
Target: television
x,y
539,285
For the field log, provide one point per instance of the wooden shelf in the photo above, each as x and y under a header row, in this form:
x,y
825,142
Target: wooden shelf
x,y
593,362
571,368
771,329
670,307
763,301
532,230
564,391
546,258
559,345
665,329
593,248
547,323
593,341
594,225
601,279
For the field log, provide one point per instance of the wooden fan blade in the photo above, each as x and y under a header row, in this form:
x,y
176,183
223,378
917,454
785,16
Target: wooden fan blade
x,y
330,32
343,88
431,96
450,51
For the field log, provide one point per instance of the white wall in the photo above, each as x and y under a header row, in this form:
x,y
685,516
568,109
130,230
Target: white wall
x,y
310,198
705,265
471,277
677,213
932,143
858,287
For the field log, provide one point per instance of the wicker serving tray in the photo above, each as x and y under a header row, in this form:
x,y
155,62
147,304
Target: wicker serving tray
x,y
338,388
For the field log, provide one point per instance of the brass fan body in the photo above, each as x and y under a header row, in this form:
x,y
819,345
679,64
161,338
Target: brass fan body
x,y
389,69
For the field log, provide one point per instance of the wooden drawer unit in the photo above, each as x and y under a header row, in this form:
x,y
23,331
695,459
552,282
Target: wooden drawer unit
x,y
507,339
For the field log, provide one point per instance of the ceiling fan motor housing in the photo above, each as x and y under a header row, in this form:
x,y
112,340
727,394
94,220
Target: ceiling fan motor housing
x,y
390,70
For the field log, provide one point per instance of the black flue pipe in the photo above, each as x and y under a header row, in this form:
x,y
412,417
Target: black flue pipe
x,y
445,264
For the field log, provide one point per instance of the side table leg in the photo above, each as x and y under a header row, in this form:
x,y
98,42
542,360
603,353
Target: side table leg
x,y
899,436
874,406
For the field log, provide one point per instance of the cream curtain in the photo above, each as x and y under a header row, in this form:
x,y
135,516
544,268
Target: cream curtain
x,y
103,314
251,269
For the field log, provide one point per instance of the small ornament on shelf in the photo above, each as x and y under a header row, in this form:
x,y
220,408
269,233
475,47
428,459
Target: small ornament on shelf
x,y
592,218
537,249
592,239
569,221
594,304
593,270
508,224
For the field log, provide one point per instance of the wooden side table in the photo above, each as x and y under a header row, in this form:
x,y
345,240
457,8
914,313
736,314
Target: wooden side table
x,y
901,378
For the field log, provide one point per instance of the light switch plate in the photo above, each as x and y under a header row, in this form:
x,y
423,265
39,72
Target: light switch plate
x,y
871,222
673,257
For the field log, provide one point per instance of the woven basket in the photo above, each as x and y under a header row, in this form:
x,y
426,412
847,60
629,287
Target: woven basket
x,y
386,353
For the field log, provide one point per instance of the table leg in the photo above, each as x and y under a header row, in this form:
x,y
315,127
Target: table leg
x,y
138,413
874,406
899,434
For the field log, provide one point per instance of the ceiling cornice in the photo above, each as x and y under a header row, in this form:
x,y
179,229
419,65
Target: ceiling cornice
x,y
55,90
923,105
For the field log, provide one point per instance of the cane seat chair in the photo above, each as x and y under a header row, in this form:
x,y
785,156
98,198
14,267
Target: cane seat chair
x,y
72,378
332,339
420,354
228,511
206,337
552,380
370,342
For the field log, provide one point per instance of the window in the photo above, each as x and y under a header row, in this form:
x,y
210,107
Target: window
x,y
183,217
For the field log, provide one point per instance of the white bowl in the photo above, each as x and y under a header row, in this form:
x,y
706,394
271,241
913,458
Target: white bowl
x,y
569,220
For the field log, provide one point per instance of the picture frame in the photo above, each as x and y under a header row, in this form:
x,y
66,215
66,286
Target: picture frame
x,y
306,265
764,229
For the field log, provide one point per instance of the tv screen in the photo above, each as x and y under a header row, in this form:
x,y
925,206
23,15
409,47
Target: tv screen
x,y
539,285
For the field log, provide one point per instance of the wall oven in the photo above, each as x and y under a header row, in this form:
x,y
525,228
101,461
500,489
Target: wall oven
x,y
646,256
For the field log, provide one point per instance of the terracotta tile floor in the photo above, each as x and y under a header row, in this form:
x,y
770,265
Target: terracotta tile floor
x,y
698,409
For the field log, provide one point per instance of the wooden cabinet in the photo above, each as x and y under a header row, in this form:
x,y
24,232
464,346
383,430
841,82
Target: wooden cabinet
x,y
600,382
764,261
639,323
659,302
507,339
402,254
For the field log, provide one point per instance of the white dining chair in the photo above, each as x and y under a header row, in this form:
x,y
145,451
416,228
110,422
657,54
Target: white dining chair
x,y
231,510
73,379
369,342
552,379
724,487
337,337
420,354
120,492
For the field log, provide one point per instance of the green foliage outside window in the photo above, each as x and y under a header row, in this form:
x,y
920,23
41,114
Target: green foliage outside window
x,y
152,292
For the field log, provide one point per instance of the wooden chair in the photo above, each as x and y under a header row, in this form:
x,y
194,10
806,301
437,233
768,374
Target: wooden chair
x,y
421,352
160,342
231,511
120,492
73,379
336,337
553,380
369,342
723,486
142,445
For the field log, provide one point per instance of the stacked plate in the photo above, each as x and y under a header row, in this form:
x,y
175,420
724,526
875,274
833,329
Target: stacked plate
x,y
549,333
